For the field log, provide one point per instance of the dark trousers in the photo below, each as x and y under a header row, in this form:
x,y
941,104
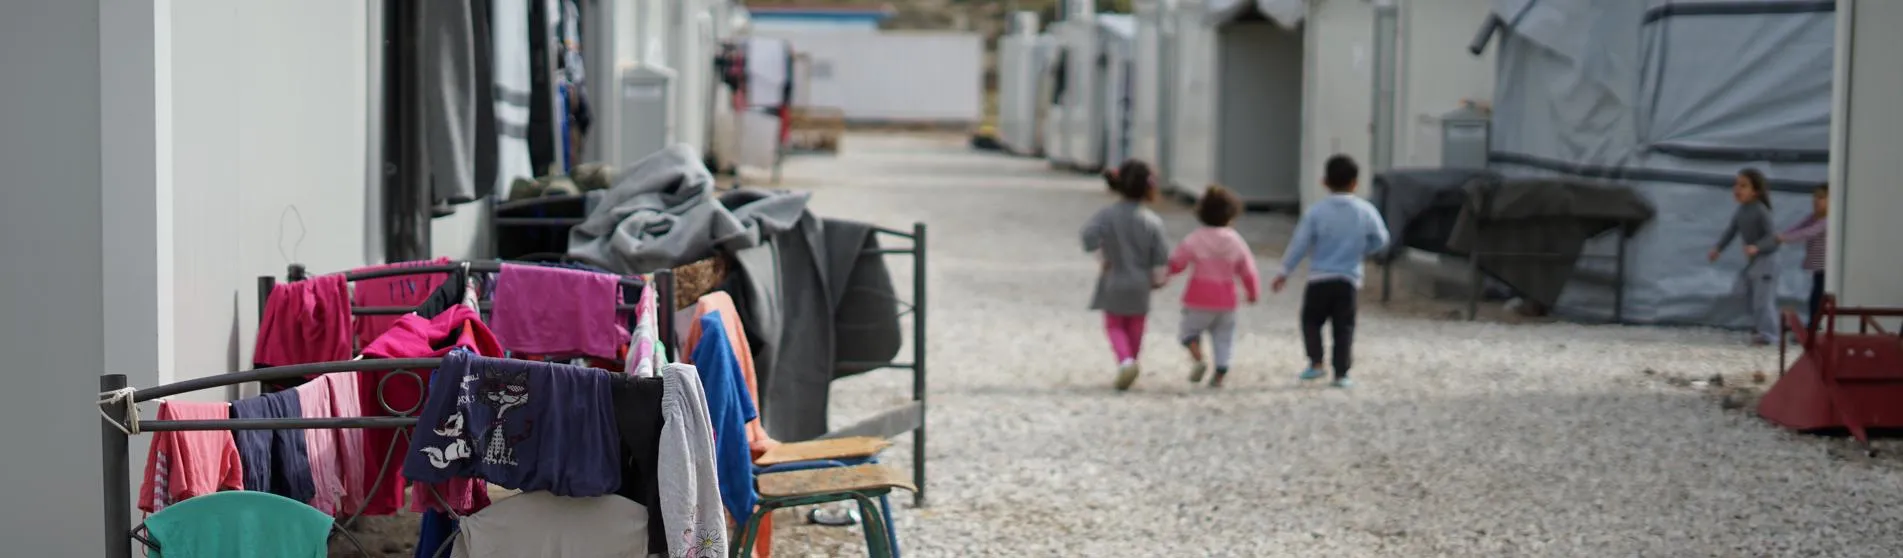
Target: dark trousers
x,y
1816,298
1330,302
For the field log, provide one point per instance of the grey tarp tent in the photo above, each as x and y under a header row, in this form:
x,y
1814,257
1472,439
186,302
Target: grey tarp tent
x,y
1672,97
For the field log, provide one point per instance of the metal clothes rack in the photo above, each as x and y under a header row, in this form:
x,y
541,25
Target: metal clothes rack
x,y
116,430
909,417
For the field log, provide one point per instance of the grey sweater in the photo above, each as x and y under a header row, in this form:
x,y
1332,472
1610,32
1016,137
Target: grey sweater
x,y
1752,222
1135,252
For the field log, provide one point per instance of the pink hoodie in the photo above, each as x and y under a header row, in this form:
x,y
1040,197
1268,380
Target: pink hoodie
x,y
1221,259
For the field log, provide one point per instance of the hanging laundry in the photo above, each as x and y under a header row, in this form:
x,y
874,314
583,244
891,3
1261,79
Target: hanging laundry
x,y
414,336
510,48
402,290
559,312
644,357
518,424
690,487
767,65
320,448
722,304
543,524
240,524
638,421
728,409
181,465
275,461
436,530
305,321
450,99
345,401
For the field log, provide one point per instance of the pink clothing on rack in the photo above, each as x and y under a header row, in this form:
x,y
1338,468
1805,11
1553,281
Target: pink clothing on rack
x,y
181,465
402,290
555,311
320,448
305,321
1218,259
345,402
413,336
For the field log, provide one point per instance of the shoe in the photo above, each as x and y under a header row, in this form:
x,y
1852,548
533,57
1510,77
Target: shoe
x,y
1196,373
1216,381
1312,374
1126,375
1343,383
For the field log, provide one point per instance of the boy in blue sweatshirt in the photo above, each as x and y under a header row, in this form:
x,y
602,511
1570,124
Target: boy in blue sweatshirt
x,y
1335,235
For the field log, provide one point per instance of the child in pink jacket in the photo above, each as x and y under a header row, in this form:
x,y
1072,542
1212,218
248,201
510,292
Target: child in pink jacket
x,y
1217,259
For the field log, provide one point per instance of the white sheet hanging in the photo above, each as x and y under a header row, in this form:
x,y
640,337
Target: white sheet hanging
x,y
509,49
766,70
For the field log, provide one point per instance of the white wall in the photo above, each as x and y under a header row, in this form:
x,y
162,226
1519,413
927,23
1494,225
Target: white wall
x,y
1436,73
262,136
1867,126
770,25
1339,73
52,312
899,76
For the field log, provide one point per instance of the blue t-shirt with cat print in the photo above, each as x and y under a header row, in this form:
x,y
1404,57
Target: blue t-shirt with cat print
x,y
518,424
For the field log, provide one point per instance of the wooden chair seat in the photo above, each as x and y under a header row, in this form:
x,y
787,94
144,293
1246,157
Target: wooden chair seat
x,y
855,447
832,480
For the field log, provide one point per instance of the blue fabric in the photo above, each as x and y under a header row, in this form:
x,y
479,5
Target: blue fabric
x,y
274,461
518,424
437,528
729,407
1336,234
240,524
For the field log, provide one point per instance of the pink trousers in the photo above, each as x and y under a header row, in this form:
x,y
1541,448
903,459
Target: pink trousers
x,y
1126,335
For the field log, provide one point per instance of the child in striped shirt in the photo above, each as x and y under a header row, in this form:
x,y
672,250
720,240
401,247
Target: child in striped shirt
x,y
1812,232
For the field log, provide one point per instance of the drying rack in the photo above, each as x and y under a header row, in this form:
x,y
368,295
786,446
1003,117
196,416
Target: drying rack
x,y
119,405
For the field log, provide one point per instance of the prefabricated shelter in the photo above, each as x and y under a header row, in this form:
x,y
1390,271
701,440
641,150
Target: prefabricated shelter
x,y
1866,129
1236,98
1672,97
909,77
1022,58
1116,84
1077,101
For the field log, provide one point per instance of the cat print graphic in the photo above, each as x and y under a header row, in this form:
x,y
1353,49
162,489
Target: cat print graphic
x,y
504,390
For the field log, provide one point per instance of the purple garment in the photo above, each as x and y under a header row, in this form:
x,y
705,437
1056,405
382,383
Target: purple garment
x,y
519,424
274,461
558,312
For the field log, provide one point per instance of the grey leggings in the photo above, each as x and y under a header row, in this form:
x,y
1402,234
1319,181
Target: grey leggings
x,y
1758,285
1221,326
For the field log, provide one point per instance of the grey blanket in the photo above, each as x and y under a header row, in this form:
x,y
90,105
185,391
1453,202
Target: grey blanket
x,y
1551,217
662,212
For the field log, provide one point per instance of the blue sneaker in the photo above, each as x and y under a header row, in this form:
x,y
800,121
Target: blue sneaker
x,y
1312,373
1343,383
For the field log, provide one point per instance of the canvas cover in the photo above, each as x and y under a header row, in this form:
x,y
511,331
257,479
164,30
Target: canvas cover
x,y
1286,13
1671,97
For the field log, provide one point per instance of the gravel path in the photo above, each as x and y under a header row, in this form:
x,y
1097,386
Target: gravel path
x,y
1461,439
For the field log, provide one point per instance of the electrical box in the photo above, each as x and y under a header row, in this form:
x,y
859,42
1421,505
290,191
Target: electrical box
x,y
644,125
1464,137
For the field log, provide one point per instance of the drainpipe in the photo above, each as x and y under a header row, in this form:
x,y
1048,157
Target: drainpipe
x,y
1386,31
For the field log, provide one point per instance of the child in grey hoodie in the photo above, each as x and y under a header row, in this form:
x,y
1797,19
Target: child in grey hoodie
x,y
1128,239
1752,224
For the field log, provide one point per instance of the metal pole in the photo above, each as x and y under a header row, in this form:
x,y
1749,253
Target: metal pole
x,y
918,361
116,476
1386,27
1618,287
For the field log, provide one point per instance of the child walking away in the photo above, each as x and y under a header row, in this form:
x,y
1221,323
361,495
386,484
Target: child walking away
x,y
1335,235
1129,242
1810,231
1217,259
1752,224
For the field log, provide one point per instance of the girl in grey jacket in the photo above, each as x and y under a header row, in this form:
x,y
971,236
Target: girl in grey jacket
x,y
1751,223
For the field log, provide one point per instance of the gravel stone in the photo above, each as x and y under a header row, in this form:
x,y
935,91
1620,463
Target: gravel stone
x,y
1460,438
